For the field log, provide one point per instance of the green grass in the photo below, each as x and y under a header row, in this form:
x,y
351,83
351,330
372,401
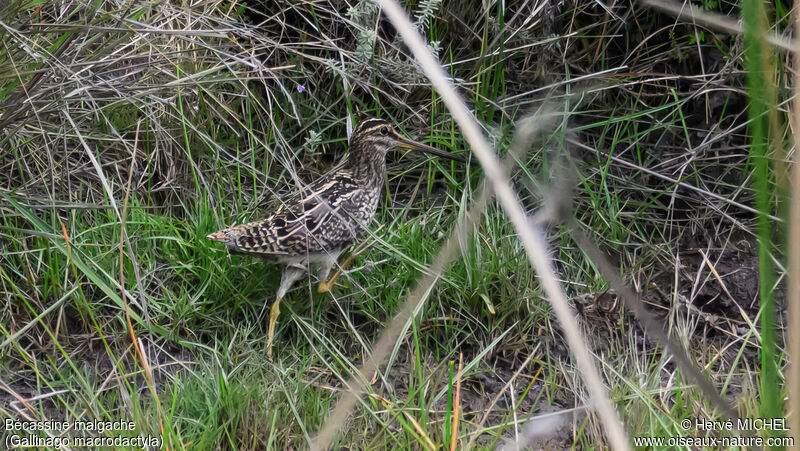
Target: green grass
x,y
212,127
763,98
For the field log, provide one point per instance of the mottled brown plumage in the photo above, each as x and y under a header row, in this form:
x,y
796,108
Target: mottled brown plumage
x,y
323,219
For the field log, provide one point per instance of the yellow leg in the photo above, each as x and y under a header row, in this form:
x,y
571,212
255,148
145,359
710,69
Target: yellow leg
x,y
274,311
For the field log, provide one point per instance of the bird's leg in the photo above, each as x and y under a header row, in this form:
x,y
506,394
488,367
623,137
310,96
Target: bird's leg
x,y
274,311
326,285
290,275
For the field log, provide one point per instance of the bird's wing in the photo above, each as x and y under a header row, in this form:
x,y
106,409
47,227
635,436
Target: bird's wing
x,y
311,221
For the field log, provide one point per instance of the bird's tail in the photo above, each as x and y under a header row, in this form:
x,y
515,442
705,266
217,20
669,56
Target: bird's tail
x,y
226,237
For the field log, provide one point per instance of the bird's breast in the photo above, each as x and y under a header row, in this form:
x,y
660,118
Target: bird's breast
x,y
367,204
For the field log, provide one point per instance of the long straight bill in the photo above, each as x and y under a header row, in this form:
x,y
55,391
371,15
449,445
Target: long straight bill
x,y
406,143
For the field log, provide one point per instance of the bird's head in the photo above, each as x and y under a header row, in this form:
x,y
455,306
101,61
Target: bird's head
x,y
373,134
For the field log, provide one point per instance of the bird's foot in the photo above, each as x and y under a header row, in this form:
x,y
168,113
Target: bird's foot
x,y
325,286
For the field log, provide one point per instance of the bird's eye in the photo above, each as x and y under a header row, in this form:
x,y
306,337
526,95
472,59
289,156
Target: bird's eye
x,y
384,131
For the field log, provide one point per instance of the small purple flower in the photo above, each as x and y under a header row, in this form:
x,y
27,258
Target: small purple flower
x,y
301,88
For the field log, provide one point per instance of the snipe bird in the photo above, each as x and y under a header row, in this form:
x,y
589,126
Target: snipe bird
x,y
318,223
